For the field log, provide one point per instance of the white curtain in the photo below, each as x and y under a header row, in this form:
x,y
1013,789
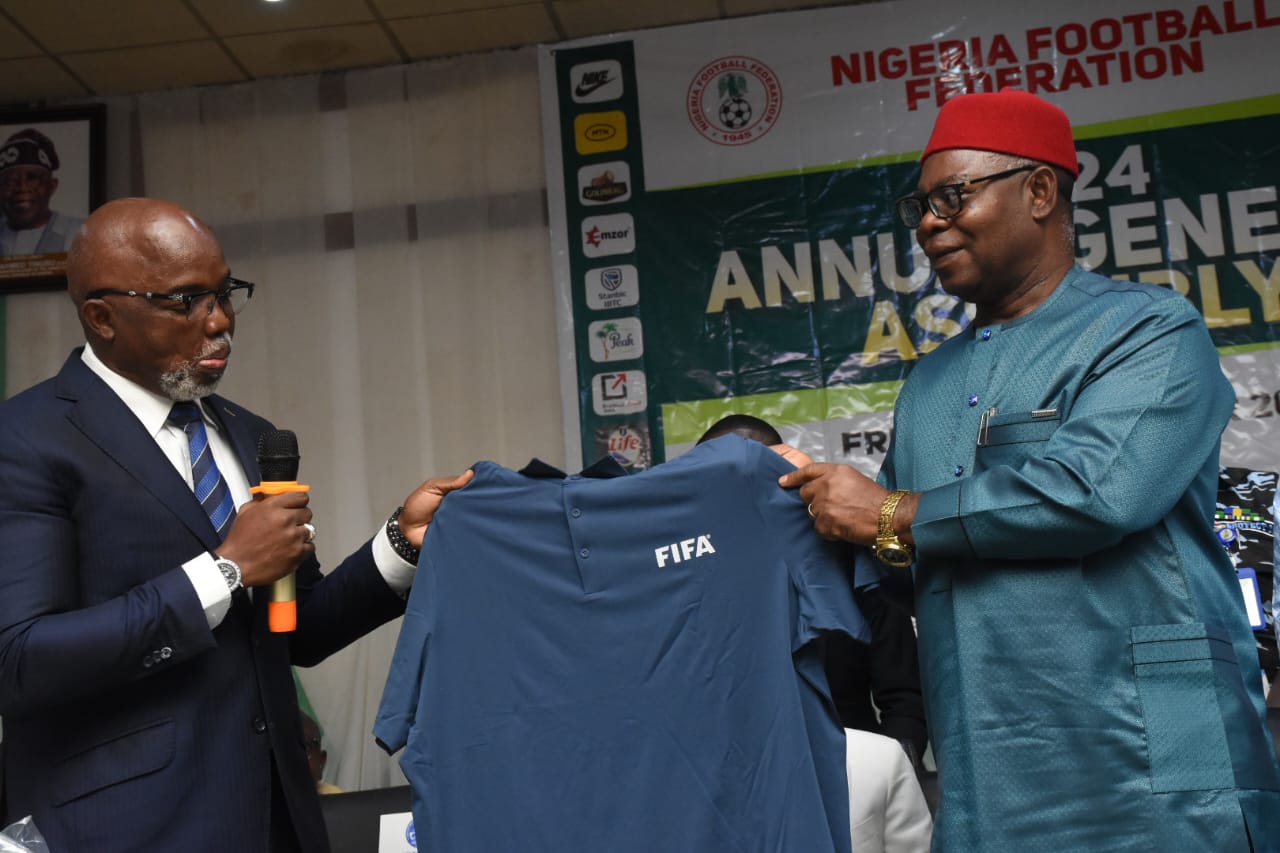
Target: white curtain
x,y
404,324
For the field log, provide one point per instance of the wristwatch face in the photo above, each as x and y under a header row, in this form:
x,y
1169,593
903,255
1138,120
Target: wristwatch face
x,y
893,554
230,574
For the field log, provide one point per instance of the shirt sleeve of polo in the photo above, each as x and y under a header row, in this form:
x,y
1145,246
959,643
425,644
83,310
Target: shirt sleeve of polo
x,y
821,572
400,698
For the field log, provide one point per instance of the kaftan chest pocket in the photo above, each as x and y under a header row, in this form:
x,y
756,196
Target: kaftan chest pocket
x,y
1010,438
1197,713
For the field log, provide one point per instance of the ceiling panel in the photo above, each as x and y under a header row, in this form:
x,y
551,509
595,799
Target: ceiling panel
x,y
467,32
306,51
38,78
593,17
736,8
240,17
13,43
66,25
102,41
419,8
136,69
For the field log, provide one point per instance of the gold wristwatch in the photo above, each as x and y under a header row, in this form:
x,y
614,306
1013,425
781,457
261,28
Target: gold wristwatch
x,y
891,550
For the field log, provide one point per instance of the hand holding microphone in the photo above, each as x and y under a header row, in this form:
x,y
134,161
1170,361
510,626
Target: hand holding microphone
x,y
278,467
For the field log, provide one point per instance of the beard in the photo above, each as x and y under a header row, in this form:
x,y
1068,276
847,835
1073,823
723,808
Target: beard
x,y
183,385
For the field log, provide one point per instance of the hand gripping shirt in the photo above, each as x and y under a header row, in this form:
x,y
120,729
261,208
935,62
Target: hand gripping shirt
x,y
624,663
1090,678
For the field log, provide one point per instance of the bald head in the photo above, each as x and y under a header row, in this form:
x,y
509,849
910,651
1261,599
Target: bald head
x,y
131,240
127,269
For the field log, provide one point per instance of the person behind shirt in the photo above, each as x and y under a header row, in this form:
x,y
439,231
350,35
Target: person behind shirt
x,y
888,811
1090,678
888,669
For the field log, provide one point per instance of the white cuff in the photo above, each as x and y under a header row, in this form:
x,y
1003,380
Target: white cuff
x,y
210,586
394,570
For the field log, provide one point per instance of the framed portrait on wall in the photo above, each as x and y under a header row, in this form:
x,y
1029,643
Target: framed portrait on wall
x,y
51,176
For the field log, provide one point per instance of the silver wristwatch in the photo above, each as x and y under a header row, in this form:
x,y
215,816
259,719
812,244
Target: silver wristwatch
x,y
230,572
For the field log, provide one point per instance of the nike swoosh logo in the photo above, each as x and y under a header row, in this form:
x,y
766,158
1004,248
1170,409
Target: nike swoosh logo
x,y
583,89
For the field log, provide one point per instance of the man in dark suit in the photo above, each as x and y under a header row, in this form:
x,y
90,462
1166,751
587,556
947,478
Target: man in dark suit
x,y
146,705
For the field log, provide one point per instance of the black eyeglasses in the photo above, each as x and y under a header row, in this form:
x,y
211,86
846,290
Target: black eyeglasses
x,y
232,298
945,201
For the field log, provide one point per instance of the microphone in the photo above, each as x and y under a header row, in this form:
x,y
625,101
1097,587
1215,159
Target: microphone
x,y
278,468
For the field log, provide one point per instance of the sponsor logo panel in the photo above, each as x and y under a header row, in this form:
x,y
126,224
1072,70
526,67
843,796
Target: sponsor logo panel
x,y
612,287
621,392
593,82
628,444
608,235
615,340
594,133
604,183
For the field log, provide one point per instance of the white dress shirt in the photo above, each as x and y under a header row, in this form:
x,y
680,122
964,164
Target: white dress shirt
x,y
153,411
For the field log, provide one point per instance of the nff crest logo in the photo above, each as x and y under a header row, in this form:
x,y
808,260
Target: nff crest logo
x,y
734,100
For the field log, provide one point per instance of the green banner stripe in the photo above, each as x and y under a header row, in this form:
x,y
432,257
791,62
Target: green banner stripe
x,y
1242,349
1247,108
687,421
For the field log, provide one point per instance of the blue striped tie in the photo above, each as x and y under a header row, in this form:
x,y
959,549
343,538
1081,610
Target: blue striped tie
x,y
211,490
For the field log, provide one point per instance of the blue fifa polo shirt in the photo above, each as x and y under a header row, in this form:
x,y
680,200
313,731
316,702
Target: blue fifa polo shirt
x,y
607,663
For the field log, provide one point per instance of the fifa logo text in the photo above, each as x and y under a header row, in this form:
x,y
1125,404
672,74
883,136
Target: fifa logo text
x,y
685,549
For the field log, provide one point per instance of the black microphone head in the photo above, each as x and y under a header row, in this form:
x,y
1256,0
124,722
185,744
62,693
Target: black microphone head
x,y
278,456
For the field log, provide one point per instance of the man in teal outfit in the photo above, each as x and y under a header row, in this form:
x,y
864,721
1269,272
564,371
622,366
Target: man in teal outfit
x,y
1090,678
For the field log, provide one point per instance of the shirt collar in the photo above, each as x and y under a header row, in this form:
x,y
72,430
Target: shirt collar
x,y
604,468
147,406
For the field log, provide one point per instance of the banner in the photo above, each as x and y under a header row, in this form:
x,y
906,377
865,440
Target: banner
x,y
721,204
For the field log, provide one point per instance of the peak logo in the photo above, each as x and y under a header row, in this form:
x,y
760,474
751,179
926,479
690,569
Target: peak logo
x,y
593,82
684,550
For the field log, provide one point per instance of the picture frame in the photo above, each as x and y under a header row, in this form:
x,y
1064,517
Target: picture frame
x,y
41,208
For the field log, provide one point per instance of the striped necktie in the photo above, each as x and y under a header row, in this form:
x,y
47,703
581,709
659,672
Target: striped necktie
x,y
211,490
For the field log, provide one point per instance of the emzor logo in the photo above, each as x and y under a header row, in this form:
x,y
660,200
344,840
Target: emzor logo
x,y
685,549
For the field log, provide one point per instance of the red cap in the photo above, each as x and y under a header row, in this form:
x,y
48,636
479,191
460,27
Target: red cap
x,y
1009,122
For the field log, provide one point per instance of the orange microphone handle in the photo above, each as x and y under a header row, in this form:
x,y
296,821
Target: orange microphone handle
x,y
282,609
278,487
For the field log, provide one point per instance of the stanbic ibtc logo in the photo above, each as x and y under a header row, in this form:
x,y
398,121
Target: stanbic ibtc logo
x,y
685,549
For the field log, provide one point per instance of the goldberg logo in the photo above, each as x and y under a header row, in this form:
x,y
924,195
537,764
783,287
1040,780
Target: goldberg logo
x,y
734,100
685,549
605,183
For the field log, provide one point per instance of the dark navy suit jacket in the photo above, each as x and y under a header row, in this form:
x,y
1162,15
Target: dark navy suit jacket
x,y
128,724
